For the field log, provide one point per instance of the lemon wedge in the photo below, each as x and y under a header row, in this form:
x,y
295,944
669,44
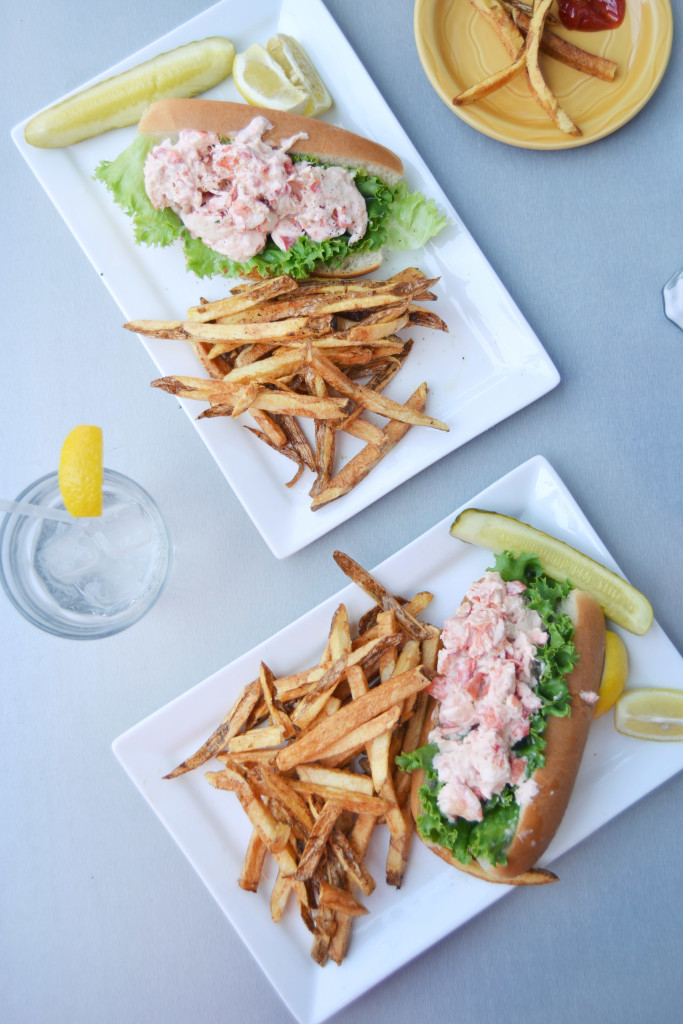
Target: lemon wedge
x,y
123,99
81,471
300,70
650,714
263,83
614,673
620,601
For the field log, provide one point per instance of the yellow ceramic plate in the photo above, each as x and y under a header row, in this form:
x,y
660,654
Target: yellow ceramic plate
x,y
458,48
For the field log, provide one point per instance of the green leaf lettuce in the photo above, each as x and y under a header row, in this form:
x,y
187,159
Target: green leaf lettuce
x,y
489,838
397,219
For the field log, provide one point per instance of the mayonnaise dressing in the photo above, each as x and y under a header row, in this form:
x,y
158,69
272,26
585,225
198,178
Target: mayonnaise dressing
x,y
234,195
486,699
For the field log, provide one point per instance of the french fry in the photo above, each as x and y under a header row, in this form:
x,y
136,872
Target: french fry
x,y
322,350
369,399
289,750
357,468
340,900
333,778
274,834
232,724
235,399
523,31
280,719
267,736
228,336
257,294
573,56
503,25
416,630
492,82
310,706
279,895
350,717
345,798
539,87
252,865
317,841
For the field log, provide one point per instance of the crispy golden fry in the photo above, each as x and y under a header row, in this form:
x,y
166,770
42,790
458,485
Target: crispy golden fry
x,y
381,759
310,706
238,398
301,684
279,718
315,743
340,900
284,363
269,427
352,862
359,840
426,318
334,778
371,400
492,82
539,87
324,349
573,56
252,865
367,624
502,24
345,798
411,738
231,725
522,30
317,841
279,895
257,294
325,437
289,747
278,788
274,834
263,738
374,589
339,636
227,336
357,468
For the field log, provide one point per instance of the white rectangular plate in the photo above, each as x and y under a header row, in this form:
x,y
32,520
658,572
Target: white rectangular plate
x,y
488,367
212,830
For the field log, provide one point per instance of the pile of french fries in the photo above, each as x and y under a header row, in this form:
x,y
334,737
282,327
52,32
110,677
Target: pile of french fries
x,y
311,759
522,28
283,349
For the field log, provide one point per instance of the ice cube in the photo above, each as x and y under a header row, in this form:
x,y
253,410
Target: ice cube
x,y
66,553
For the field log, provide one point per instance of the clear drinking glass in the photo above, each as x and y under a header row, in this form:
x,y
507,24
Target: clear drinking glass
x,y
87,578
673,298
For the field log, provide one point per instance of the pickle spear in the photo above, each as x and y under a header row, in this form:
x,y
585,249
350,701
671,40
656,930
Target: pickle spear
x,y
122,100
620,601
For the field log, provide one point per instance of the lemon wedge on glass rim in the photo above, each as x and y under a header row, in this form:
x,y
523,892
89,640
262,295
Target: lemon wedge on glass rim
x,y
81,471
300,70
650,714
122,100
262,82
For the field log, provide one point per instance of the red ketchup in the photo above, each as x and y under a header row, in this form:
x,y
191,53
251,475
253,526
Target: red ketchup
x,y
591,15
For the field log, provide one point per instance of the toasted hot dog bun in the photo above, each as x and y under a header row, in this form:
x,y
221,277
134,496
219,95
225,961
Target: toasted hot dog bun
x,y
325,142
565,742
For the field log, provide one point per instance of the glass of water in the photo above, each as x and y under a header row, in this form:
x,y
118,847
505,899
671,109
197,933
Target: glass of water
x,y
87,578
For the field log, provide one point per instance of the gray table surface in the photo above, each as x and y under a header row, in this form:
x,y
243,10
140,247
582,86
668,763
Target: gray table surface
x,y
101,916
